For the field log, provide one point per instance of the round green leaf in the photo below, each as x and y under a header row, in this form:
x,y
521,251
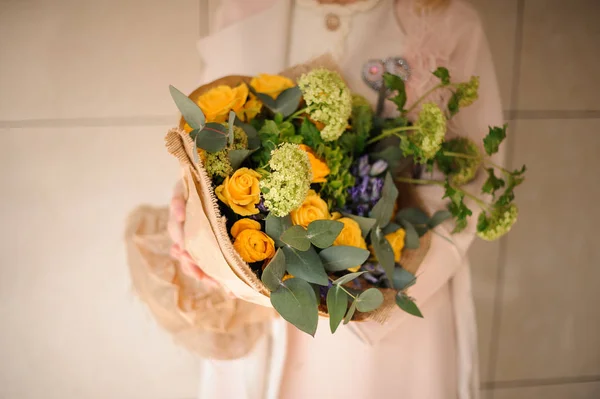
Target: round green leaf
x,y
403,278
274,272
411,241
413,215
275,226
343,257
190,111
348,277
295,237
366,224
369,300
306,265
384,208
405,303
438,218
287,102
337,303
322,233
237,157
212,138
296,302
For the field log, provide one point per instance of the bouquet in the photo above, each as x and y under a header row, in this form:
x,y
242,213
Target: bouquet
x,y
293,190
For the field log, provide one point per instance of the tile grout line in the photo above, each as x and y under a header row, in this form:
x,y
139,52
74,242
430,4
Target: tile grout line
x,y
536,382
497,309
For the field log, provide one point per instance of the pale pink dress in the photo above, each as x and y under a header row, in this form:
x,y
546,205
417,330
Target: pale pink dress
x,y
434,357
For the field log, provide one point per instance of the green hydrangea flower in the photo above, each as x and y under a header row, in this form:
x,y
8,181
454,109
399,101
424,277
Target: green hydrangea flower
x,y
498,223
217,163
427,138
460,170
328,99
286,187
468,92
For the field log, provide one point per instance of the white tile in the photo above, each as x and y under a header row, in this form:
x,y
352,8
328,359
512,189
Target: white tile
x,y
589,390
71,326
560,56
499,20
85,58
550,322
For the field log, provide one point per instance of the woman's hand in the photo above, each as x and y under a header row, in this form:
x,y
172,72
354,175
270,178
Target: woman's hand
x,y
175,227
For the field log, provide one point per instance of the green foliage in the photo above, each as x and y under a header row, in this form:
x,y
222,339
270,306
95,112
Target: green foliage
x,y
461,170
411,241
212,138
453,104
494,138
347,278
305,265
407,304
275,226
403,278
350,313
339,180
443,74
342,257
296,302
412,215
369,300
513,179
310,134
337,304
492,184
285,104
190,111
396,84
365,224
295,237
384,208
457,207
273,274
383,252
322,233
355,140
438,218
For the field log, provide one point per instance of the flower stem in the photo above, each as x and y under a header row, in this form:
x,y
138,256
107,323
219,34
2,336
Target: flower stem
x,y
418,181
343,289
459,155
298,113
505,171
428,92
391,132
477,200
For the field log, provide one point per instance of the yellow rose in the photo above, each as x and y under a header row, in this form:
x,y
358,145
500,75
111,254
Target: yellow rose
x,y
240,192
396,240
250,109
271,85
244,224
217,102
320,170
351,235
254,245
313,208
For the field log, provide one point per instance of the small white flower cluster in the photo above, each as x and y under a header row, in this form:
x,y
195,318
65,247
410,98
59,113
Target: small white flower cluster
x,y
499,222
432,130
329,101
286,187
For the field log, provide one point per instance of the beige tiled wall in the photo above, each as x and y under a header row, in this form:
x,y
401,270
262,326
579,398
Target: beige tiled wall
x,y
92,75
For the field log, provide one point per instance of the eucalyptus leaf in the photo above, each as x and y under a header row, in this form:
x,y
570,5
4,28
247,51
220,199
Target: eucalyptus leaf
x,y
365,224
190,111
403,278
421,230
384,208
237,157
413,215
287,102
369,300
337,304
342,257
212,138
296,302
275,226
350,313
267,101
438,218
295,237
322,233
230,125
405,303
306,265
348,277
384,253
390,228
411,241
273,274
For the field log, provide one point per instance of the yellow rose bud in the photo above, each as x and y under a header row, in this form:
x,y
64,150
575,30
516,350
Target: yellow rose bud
x,y
271,85
217,102
313,208
250,109
244,224
320,170
351,235
254,245
241,192
396,240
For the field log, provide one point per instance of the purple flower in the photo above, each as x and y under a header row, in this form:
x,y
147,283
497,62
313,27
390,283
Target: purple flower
x,y
363,166
378,167
363,188
362,210
376,187
261,205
